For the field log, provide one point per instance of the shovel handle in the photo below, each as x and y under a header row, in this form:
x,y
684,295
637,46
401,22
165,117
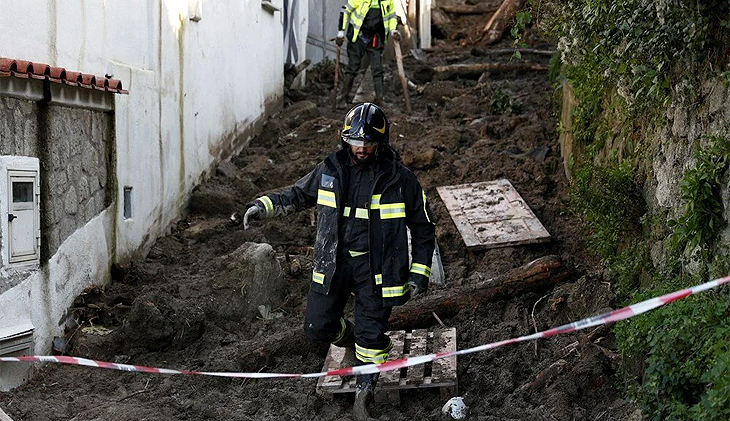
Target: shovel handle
x,y
337,78
402,74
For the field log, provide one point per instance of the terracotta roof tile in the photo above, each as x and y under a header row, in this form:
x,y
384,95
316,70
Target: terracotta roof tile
x,y
72,78
5,64
101,84
25,69
21,68
39,71
86,80
57,75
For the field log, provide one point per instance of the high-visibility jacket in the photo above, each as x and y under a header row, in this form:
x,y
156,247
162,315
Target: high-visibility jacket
x,y
354,11
397,202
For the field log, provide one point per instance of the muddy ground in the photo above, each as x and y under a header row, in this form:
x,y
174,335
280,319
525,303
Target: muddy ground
x,y
180,307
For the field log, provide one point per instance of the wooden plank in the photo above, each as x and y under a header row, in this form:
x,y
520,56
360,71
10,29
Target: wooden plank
x,y
333,361
392,378
419,342
414,375
4,416
387,389
492,214
443,370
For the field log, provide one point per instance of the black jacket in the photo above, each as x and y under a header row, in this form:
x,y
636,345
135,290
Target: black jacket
x,y
398,201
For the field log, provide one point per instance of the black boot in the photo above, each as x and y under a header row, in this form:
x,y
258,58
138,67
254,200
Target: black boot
x,y
348,336
364,390
344,98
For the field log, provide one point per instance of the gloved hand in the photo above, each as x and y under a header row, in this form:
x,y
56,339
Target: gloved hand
x,y
395,35
252,212
340,37
418,284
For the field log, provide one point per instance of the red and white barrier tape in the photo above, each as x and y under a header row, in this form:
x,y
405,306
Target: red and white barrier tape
x,y
613,316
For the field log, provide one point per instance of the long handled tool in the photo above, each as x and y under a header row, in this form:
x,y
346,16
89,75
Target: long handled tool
x,y
337,78
402,74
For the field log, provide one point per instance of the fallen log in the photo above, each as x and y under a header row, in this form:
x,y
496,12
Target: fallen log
x,y
466,9
536,275
475,70
256,353
477,52
500,20
439,18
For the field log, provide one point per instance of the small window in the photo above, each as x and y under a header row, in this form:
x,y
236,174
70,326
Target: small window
x,y
22,192
127,202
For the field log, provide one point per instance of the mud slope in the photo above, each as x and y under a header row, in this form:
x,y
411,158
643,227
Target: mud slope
x,y
179,308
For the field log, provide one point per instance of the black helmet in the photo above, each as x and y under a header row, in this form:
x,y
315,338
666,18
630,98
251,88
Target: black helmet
x,y
365,125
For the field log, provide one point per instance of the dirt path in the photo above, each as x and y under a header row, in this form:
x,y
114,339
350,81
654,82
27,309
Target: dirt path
x,y
175,309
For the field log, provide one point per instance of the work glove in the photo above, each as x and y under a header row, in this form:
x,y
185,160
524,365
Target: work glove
x,y
340,37
395,35
418,284
253,212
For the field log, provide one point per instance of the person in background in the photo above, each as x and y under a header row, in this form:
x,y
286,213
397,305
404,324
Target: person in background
x,y
367,25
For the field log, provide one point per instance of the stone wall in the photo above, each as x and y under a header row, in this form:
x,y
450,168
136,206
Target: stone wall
x,y
75,148
18,127
686,128
75,171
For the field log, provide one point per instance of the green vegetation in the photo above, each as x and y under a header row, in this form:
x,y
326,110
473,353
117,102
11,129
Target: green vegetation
x,y
502,101
609,202
646,52
703,211
685,351
522,20
627,61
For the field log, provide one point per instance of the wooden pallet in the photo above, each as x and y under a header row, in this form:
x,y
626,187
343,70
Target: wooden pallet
x,y
440,373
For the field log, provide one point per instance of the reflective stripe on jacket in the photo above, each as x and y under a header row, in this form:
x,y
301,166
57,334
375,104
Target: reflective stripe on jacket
x,y
354,11
398,202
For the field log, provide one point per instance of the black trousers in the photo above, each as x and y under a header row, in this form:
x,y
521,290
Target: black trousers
x,y
355,53
323,319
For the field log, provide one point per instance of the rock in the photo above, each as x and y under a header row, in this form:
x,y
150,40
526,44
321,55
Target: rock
x,y
212,202
228,169
419,159
253,270
201,229
159,320
456,408
299,112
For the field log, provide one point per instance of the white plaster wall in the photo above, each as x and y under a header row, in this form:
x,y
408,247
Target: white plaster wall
x,y
323,18
194,88
193,85
43,298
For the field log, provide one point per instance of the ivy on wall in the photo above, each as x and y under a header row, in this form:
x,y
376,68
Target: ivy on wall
x,y
627,61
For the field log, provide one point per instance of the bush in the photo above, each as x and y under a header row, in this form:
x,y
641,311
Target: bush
x,y
686,347
609,202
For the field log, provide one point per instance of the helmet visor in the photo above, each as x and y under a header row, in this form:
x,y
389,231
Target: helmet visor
x,y
358,141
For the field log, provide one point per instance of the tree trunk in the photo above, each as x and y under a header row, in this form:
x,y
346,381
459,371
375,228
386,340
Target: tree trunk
x,y
536,275
465,9
500,20
475,70
477,52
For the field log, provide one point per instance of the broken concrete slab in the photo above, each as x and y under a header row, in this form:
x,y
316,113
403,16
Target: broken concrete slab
x,y
492,214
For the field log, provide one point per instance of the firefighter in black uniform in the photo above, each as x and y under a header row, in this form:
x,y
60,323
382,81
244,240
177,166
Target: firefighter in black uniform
x,y
366,199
